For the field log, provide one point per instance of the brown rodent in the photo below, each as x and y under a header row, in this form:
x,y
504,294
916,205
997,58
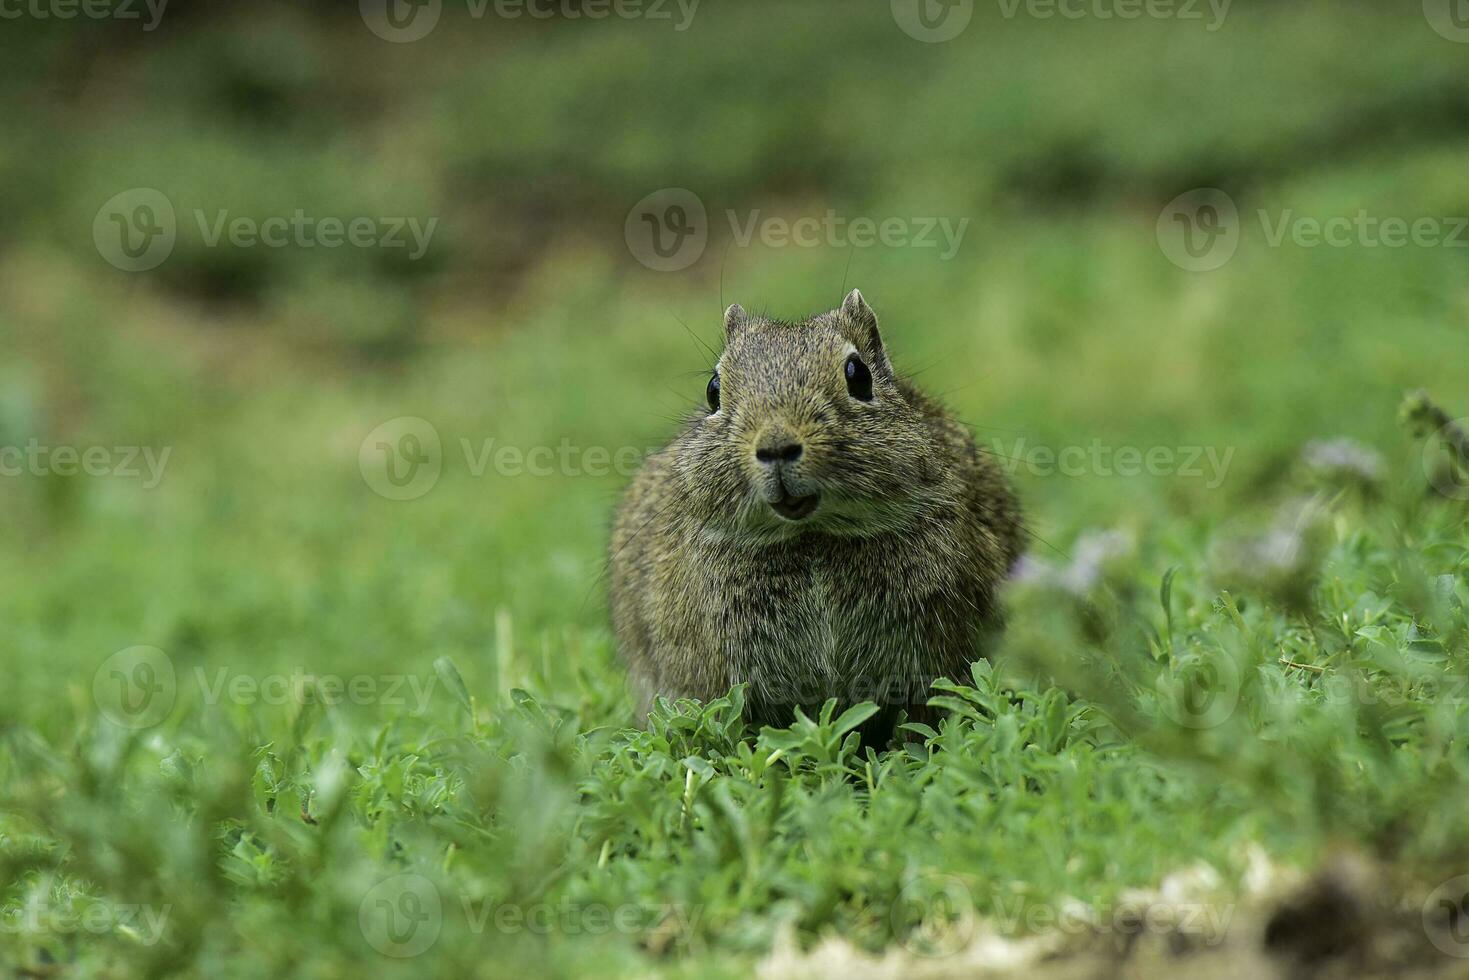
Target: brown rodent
x,y
823,530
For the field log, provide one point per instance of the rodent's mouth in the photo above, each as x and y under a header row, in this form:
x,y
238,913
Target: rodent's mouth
x,y
796,508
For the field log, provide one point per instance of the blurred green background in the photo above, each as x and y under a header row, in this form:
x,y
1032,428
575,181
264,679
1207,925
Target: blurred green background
x,y
530,320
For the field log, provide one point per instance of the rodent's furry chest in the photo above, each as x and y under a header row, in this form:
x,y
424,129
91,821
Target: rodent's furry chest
x,y
822,616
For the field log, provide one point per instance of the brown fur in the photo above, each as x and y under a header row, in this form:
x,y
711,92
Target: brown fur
x,y
890,583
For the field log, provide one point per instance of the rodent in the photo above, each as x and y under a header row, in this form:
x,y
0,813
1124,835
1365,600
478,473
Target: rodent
x,y
823,530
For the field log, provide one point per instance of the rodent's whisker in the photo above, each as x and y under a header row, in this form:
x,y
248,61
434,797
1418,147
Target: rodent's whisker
x,y
713,354
997,455
1030,532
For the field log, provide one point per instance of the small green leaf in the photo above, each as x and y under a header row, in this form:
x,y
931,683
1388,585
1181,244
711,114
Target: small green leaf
x,y
1165,593
854,716
449,674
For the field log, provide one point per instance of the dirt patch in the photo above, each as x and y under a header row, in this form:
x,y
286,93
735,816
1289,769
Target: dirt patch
x,y
1343,923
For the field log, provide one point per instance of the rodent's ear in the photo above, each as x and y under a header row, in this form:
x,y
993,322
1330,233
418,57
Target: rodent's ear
x,y
864,322
734,320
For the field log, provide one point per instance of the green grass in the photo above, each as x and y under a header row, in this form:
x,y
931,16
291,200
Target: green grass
x,y
1176,697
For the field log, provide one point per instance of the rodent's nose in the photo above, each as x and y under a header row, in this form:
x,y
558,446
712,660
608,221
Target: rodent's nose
x,y
787,452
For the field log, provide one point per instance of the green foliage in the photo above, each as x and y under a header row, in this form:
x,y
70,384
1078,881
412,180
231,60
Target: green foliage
x,y
1160,740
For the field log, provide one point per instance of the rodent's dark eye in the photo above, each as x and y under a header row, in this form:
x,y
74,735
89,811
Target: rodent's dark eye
x,y
711,393
859,379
